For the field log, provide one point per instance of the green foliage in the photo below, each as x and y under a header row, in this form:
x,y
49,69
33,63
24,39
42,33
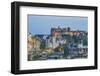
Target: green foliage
x,y
68,38
42,45
56,49
75,39
85,43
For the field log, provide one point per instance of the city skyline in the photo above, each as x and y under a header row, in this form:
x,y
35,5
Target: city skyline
x,y
42,24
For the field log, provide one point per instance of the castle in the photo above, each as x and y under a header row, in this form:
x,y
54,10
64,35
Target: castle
x,y
57,32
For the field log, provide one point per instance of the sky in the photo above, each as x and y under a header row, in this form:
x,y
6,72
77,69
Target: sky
x,y
41,24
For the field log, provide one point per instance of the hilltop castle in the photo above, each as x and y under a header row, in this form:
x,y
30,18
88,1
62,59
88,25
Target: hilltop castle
x,y
63,31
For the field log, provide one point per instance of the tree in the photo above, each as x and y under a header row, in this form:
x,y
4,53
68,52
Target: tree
x,y
66,51
68,38
42,45
75,39
85,43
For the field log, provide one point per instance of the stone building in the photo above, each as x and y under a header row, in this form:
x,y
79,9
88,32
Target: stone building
x,y
57,32
32,43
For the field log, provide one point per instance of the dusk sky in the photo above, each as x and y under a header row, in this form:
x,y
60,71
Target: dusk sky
x,y
42,24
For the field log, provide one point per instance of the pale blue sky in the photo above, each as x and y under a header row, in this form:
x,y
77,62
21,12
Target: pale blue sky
x,y
38,24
